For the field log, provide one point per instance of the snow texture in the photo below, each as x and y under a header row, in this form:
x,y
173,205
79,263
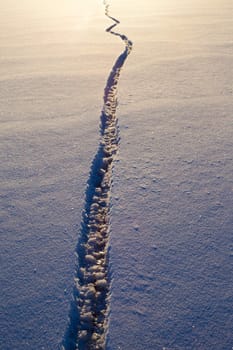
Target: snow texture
x,y
170,244
90,308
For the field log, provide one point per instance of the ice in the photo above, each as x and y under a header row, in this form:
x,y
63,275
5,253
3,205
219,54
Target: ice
x,y
171,222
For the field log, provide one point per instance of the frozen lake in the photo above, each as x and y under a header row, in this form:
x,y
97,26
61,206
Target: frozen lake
x,y
171,246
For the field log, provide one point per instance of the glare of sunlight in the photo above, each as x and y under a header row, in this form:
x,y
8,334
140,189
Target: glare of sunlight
x,y
84,10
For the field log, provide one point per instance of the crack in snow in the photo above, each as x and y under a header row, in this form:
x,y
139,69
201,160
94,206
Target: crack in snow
x,y
88,322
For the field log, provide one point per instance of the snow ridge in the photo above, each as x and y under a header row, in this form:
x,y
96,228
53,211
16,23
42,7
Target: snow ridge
x,y
88,323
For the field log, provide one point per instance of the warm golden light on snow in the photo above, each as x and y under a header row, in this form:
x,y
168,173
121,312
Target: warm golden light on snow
x,y
116,174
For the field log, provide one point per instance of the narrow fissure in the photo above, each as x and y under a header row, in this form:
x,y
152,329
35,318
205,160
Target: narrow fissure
x,y
88,323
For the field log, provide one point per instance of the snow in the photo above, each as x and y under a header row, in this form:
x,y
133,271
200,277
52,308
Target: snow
x,y
51,98
171,242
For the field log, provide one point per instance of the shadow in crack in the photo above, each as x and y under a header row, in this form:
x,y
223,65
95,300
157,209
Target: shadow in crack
x,y
88,318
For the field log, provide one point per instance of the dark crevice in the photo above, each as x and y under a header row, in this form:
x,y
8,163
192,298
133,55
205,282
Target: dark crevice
x,y
88,318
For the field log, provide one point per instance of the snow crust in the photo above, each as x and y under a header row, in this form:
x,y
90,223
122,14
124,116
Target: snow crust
x,y
171,245
52,78
171,239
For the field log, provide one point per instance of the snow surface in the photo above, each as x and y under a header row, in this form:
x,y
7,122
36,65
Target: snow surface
x,y
172,245
171,224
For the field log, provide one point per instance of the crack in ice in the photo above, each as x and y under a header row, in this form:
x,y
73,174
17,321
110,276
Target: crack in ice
x,y
88,323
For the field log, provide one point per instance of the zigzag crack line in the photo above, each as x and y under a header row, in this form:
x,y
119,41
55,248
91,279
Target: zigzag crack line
x,y
88,323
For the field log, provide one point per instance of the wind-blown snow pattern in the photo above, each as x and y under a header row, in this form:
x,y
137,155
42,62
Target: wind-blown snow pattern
x,y
89,310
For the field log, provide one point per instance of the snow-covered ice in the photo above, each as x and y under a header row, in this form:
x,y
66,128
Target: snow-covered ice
x,y
171,245
171,241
